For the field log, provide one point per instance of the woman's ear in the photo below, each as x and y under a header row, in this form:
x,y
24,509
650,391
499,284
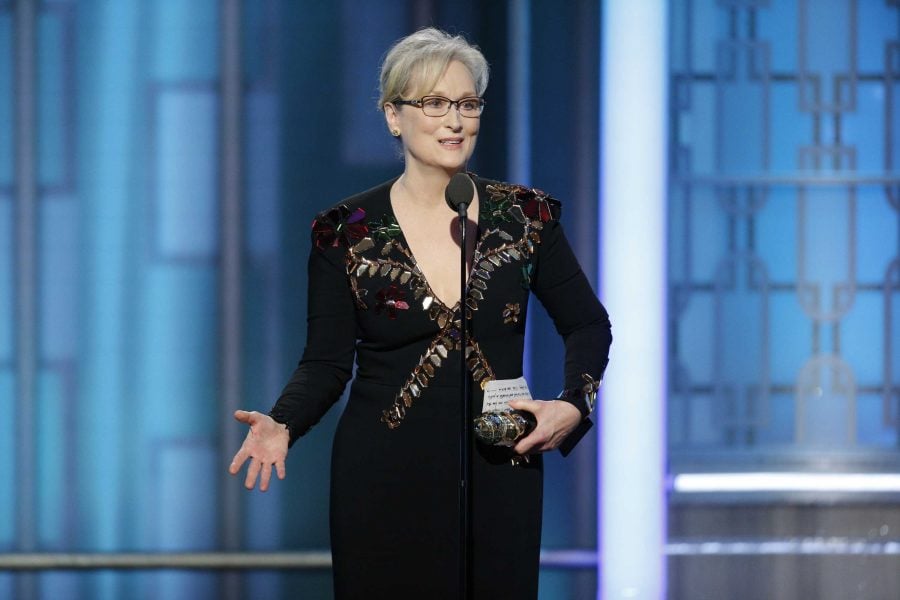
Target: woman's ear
x,y
392,119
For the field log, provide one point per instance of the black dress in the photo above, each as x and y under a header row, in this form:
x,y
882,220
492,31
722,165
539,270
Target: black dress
x,y
394,471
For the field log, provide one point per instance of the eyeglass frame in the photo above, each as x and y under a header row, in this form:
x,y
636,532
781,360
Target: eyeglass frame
x,y
420,104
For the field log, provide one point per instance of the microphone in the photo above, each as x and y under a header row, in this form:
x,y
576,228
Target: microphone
x,y
458,193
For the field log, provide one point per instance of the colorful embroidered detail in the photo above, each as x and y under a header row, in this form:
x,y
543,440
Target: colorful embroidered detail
x,y
514,214
339,225
386,229
390,299
494,210
518,203
511,313
540,207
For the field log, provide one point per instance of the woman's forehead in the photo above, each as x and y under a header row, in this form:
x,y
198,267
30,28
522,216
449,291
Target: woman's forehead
x,y
455,76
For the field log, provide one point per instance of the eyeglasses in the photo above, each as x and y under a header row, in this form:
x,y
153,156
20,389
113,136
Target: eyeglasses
x,y
438,106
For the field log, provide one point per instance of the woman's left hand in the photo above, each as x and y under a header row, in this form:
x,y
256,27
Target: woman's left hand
x,y
555,420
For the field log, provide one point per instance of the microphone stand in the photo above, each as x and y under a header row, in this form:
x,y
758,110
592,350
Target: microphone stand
x,y
465,429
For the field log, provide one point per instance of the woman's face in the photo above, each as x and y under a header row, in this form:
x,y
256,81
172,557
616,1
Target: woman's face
x,y
444,142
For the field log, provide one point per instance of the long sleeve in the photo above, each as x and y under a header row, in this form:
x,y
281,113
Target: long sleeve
x,y
561,286
327,361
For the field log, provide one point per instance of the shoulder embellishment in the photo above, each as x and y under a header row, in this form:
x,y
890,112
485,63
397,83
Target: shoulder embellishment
x,y
509,202
339,226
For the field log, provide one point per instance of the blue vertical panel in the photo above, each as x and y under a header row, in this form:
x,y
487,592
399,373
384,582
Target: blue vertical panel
x,y
184,520
777,22
7,397
699,125
58,318
7,292
186,208
827,53
789,128
865,124
368,29
706,27
891,361
741,353
53,98
7,142
263,377
108,52
58,276
58,252
176,353
826,238
184,41
262,164
52,511
742,108
263,333
60,242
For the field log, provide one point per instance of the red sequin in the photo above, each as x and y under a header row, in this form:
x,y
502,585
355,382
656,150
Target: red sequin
x,y
390,299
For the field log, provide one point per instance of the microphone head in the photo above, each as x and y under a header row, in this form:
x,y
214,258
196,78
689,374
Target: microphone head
x,y
458,191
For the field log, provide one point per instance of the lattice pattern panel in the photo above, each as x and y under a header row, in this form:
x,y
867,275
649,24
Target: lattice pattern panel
x,y
784,229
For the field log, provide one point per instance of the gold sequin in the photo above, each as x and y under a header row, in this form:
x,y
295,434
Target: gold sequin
x,y
511,313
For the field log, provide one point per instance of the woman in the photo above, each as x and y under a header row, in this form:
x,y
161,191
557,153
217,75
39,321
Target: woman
x,y
384,289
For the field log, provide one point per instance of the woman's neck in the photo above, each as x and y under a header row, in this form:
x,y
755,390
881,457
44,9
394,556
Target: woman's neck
x,y
425,188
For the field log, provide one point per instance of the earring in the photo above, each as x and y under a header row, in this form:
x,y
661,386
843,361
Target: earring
x,y
395,132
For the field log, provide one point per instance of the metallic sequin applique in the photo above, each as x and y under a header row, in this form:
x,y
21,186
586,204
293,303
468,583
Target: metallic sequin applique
x,y
377,250
587,392
511,313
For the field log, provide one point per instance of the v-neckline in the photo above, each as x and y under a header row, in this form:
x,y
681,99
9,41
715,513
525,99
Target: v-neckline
x,y
429,290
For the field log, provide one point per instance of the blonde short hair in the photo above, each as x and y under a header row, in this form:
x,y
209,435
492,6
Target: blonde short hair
x,y
414,64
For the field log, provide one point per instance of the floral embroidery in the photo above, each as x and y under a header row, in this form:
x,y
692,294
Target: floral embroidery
x,y
511,313
339,225
390,299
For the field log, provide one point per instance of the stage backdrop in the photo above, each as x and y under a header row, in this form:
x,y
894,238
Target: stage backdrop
x,y
121,350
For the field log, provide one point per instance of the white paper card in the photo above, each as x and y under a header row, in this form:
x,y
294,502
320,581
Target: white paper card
x,y
499,392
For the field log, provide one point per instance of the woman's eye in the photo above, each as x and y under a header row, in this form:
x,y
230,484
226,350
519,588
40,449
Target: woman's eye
x,y
434,102
469,105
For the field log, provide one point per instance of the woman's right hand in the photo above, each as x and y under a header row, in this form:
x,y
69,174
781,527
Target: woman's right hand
x,y
266,445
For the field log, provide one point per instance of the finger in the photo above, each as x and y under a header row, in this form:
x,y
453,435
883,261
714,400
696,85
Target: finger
x,y
252,473
266,476
524,404
280,469
242,415
238,461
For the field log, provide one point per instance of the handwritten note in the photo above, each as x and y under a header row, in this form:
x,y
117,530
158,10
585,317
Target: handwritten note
x,y
499,392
